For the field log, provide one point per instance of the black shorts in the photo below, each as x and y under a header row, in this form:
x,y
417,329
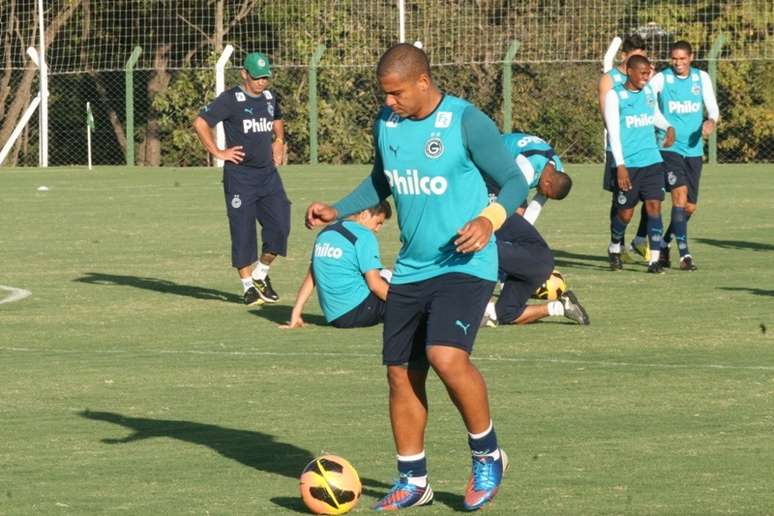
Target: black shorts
x,y
525,262
368,313
683,171
252,196
647,185
609,177
445,310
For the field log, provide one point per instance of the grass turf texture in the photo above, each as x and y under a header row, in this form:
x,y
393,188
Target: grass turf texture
x,y
134,381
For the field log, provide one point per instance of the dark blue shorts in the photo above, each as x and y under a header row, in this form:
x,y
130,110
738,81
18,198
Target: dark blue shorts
x,y
368,313
445,310
683,171
647,185
525,262
256,196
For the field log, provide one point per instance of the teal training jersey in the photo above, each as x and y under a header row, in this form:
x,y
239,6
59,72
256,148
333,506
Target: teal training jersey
x,y
636,111
532,154
681,100
343,252
618,78
437,189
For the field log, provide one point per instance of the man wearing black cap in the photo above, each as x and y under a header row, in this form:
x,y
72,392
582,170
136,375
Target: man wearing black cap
x,y
255,135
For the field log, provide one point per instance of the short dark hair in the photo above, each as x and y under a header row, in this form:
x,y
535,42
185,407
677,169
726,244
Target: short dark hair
x,y
561,185
681,45
637,60
406,60
382,207
633,42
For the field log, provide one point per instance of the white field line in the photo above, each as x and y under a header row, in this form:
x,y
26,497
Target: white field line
x,y
559,361
16,294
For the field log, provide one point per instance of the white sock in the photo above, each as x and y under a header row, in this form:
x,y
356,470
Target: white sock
x,y
555,308
614,248
246,283
654,255
482,434
260,271
490,311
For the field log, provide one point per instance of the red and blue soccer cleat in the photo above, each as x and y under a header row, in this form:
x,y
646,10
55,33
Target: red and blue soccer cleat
x,y
404,495
485,479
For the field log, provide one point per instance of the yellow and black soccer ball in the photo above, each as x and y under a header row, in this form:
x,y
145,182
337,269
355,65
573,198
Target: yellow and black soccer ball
x,y
553,288
330,485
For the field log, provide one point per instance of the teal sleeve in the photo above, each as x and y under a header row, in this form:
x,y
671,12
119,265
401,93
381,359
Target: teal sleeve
x,y
487,150
370,192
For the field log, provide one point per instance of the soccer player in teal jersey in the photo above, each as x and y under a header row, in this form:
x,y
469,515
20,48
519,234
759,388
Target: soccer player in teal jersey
x,y
631,116
542,169
632,45
347,270
431,151
683,93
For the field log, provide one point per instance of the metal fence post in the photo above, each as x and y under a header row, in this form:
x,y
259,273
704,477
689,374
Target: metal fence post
x,y
507,86
712,65
129,93
313,122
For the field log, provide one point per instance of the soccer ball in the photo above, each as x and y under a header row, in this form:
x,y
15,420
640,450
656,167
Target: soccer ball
x,y
553,288
330,485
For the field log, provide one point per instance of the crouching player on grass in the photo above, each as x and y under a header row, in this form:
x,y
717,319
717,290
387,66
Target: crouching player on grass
x,y
347,270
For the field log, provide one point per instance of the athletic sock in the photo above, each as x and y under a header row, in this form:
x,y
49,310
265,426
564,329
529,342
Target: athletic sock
x,y
680,225
485,443
555,308
414,468
614,215
655,227
642,229
669,232
246,283
617,230
260,271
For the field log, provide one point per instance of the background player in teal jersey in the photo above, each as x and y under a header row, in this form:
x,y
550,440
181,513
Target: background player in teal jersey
x,y
542,169
683,93
431,151
346,268
632,45
631,116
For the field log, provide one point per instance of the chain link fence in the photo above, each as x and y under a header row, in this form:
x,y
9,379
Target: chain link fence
x,y
552,87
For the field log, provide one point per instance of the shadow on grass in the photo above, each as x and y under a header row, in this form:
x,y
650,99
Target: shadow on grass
x,y
736,244
563,259
159,285
756,291
248,447
280,314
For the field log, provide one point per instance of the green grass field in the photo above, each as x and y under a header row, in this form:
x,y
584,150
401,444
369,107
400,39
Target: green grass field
x,y
133,380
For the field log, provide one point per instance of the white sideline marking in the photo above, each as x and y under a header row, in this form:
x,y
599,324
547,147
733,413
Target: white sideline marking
x,y
560,361
16,294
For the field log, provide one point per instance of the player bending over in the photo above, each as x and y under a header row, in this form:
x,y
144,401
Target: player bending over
x,y
431,152
630,115
346,269
683,94
525,261
542,169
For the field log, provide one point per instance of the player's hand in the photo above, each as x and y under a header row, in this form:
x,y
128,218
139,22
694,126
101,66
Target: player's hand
x,y
295,322
232,154
669,139
624,183
707,128
474,235
318,214
277,152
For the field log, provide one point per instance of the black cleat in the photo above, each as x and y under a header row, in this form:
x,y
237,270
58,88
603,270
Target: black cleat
x,y
663,258
265,290
686,263
615,261
655,268
573,310
252,297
